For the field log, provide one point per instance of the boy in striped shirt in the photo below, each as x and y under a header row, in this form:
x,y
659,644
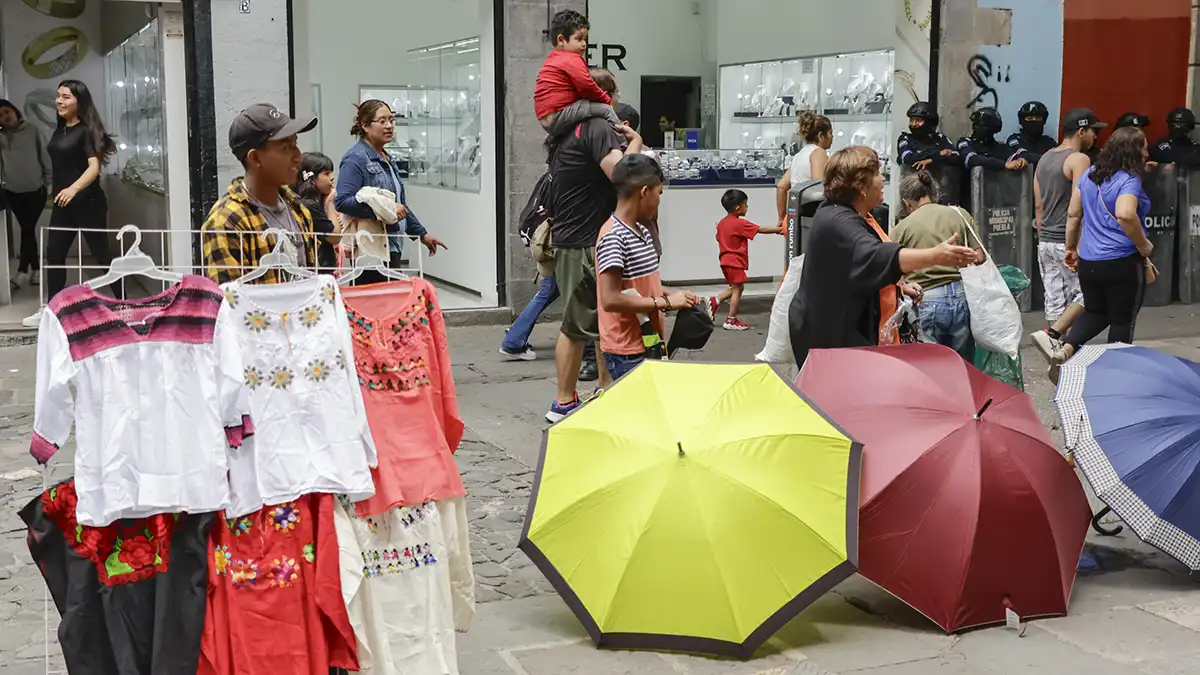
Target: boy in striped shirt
x,y
626,260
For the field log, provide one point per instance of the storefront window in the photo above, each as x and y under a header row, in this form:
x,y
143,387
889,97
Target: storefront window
x,y
135,112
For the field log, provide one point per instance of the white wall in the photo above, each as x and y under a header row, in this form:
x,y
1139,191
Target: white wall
x,y
327,53
662,37
774,29
333,50
1028,69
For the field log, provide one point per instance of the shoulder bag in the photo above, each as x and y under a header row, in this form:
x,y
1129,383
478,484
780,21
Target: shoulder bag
x,y
995,316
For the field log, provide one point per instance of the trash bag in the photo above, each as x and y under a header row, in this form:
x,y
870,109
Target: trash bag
x,y
999,366
779,343
995,316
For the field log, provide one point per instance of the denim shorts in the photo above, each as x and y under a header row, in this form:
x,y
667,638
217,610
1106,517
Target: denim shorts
x,y
620,364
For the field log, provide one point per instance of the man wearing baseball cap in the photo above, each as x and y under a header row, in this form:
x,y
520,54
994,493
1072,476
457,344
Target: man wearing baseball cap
x,y
264,140
1178,147
1053,184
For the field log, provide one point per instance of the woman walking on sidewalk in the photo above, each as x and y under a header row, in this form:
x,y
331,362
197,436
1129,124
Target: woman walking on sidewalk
x,y
79,147
1108,246
26,179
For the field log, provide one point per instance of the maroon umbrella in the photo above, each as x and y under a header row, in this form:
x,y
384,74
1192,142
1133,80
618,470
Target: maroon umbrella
x,y
967,507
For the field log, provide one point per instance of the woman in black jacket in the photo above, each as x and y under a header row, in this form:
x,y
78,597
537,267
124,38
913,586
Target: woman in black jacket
x,y
851,270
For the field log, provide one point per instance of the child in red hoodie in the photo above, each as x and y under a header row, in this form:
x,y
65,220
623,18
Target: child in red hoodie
x,y
565,93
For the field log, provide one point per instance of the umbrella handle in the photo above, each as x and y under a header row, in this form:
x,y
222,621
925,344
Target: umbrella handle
x,y
1100,528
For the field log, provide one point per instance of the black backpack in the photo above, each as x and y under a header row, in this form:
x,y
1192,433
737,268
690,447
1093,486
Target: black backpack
x,y
537,209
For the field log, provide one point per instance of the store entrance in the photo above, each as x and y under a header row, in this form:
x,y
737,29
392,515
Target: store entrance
x,y
668,102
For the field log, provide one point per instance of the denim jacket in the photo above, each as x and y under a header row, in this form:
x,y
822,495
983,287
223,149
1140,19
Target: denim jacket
x,y
363,167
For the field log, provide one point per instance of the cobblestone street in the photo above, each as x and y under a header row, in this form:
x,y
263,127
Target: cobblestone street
x,y
1135,612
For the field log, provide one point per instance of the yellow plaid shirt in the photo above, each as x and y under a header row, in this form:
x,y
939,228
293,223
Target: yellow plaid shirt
x,y
233,240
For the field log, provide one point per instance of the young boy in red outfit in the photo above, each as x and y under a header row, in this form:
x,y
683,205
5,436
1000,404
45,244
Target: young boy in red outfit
x,y
734,233
565,93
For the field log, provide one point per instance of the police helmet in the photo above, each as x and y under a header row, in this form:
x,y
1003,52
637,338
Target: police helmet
x,y
1034,109
922,111
1132,119
1181,117
988,119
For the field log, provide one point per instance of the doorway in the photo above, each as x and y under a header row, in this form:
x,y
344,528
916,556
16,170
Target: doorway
x,y
673,99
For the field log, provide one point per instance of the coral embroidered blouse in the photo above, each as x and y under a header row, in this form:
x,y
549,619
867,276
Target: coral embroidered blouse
x,y
403,365
311,431
158,399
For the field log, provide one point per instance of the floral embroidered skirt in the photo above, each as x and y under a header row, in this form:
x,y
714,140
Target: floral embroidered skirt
x,y
274,596
396,582
131,595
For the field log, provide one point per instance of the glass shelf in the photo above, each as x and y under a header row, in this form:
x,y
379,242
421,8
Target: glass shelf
x,y
135,108
723,167
761,102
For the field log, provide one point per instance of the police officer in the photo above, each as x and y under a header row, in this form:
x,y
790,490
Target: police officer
x,y
923,144
1031,142
982,149
1178,147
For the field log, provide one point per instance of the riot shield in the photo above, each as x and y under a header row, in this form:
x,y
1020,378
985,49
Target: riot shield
x,y
1003,211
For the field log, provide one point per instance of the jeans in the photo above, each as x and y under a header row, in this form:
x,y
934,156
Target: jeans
x,y
517,336
1113,291
620,364
946,319
88,213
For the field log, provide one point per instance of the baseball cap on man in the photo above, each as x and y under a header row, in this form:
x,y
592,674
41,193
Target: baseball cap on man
x,y
263,122
1081,118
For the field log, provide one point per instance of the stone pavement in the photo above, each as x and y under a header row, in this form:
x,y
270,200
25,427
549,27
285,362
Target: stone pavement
x,y
1136,612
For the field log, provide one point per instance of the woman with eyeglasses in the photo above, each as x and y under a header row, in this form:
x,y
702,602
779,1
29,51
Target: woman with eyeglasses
x,y
367,164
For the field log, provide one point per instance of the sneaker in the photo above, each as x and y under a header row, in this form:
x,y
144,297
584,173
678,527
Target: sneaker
x,y
588,371
560,410
1056,352
21,279
35,279
712,304
34,320
525,353
732,323
1045,344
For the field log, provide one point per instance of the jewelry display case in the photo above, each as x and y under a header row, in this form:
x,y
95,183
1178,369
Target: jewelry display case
x,y
135,107
442,114
761,102
723,167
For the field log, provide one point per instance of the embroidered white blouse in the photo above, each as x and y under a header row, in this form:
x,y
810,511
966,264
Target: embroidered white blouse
x,y
158,399
311,432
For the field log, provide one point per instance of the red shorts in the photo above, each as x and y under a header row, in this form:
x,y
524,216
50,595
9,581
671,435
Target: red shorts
x,y
733,275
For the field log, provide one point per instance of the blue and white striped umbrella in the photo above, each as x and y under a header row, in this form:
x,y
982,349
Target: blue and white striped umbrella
x,y
1131,417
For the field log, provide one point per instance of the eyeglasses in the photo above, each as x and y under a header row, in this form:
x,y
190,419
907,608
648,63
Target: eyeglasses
x,y
385,121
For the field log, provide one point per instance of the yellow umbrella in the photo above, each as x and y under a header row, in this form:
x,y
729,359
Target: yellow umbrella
x,y
694,507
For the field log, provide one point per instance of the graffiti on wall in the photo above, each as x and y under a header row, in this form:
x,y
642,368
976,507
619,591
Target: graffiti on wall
x,y
987,77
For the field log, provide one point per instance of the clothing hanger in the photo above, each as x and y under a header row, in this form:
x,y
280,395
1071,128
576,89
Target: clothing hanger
x,y
134,262
366,262
277,260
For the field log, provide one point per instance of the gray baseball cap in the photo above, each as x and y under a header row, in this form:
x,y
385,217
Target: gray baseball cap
x,y
263,122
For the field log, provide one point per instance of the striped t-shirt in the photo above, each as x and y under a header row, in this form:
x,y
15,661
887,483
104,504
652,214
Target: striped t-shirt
x,y
631,250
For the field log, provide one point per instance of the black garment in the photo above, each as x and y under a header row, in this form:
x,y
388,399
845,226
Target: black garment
x,y
912,148
150,623
326,255
988,153
1113,291
70,148
1030,148
583,196
27,208
845,266
83,213
1185,152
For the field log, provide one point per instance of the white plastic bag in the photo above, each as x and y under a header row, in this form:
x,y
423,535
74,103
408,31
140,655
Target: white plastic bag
x,y
779,343
905,309
995,316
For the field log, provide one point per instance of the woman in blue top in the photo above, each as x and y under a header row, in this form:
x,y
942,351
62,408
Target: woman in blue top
x,y
367,164
1107,243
